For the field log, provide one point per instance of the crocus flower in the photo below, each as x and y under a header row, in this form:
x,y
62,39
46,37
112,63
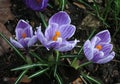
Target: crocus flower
x,y
57,33
99,49
24,35
37,5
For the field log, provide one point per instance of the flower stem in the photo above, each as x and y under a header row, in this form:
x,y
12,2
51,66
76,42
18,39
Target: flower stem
x,y
63,4
57,59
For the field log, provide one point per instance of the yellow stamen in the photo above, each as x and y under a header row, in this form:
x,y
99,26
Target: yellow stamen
x,y
57,34
24,35
99,47
38,1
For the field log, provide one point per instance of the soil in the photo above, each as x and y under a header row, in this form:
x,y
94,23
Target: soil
x,y
108,73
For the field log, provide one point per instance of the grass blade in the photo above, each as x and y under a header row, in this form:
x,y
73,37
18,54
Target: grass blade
x,y
84,64
69,56
43,19
38,73
59,79
4,37
36,56
90,79
28,66
62,4
21,75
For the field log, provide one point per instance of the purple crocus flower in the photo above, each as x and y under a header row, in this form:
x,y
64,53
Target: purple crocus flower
x,y
57,33
99,49
24,35
37,5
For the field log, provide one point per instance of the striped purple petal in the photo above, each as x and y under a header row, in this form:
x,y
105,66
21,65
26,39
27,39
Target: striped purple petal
x,y
99,49
32,41
67,46
60,18
88,50
104,36
106,48
67,31
37,5
50,31
107,58
24,42
16,43
97,55
41,37
23,27
58,32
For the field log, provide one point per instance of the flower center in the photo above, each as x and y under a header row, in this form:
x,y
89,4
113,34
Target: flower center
x,y
57,34
24,35
38,1
99,47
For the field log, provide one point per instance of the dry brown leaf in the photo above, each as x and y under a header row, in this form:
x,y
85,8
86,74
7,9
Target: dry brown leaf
x,y
97,1
3,45
77,81
25,79
5,13
79,5
11,80
90,22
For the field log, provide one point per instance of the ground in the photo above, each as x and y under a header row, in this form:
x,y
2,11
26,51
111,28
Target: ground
x,y
85,20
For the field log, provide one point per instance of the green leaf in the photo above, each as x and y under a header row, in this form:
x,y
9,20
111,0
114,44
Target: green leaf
x,y
38,73
59,79
90,79
21,75
62,4
36,56
28,66
4,37
43,19
84,64
69,56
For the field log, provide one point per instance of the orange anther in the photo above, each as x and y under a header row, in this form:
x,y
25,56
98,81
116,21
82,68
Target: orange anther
x,y
24,35
38,1
99,47
57,34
